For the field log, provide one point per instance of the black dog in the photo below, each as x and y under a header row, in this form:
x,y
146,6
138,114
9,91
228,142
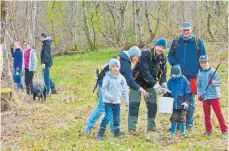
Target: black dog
x,y
39,90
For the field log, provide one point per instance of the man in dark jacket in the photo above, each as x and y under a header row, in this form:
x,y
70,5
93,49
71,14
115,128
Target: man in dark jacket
x,y
47,62
150,74
185,51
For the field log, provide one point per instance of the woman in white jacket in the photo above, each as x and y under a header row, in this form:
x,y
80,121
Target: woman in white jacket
x,y
30,66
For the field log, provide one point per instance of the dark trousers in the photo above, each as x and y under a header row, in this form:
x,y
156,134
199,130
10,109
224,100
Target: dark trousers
x,y
215,103
178,116
29,81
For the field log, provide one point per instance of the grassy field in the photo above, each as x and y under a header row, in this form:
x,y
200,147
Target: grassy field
x,y
58,124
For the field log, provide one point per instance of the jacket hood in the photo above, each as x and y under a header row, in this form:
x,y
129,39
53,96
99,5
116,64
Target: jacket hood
x,y
47,39
124,55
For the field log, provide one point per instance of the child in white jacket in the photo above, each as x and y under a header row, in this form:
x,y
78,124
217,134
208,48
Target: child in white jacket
x,y
114,89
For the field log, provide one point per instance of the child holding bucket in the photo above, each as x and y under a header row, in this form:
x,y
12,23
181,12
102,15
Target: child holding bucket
x,y
181,91
114,89
210,95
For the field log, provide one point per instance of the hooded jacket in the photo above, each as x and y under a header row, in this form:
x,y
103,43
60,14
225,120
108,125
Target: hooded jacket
x,y
114,89
46,55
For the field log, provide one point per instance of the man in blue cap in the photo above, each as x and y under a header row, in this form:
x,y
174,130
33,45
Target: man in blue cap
x,y
185,51
150,74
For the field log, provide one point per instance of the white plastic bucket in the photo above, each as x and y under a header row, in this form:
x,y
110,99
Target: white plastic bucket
x,y
165,105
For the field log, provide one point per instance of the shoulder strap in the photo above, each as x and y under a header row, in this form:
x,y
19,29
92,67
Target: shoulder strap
x,y
175,46
197,46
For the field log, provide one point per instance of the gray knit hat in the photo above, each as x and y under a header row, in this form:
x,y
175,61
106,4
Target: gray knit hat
x,y
114,62
134,51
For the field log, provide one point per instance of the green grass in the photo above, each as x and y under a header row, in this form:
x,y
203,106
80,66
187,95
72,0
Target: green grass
x,y
57,125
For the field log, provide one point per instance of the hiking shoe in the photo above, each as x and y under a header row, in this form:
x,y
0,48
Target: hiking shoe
x,y
225,133
54,91
207,133
118,133
184,135
100,137
87,131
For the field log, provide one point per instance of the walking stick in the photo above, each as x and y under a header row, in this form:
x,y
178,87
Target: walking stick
x,y
221,60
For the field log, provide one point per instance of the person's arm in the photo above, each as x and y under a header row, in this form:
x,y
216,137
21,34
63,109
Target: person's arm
x,y
34,60
46,51
144,68
188,91
125,90
164,72
127,73
215,80
12,52
171,58
104,89
201,47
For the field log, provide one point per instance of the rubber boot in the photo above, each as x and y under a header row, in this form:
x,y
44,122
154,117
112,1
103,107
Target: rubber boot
x,y
173,128
182,129
100,135
117,133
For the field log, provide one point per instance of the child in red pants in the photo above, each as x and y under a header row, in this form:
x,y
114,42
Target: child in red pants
x,y
210,97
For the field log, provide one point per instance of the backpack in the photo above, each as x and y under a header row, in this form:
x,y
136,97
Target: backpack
x,y
175,46
101,72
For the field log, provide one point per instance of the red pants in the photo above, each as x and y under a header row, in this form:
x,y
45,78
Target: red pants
x,y
215,103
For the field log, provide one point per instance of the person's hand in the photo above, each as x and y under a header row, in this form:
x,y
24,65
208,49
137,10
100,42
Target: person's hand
x,y
158,89
185,104
164,85
17,69
144,93
43,66
211,82
200,98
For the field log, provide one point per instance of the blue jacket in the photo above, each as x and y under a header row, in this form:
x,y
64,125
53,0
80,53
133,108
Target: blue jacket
x,y
18,58
126,71
181,91
186,56
213,91
114,89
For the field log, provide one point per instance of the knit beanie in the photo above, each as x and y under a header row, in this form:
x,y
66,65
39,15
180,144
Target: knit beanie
x,y
134,51
114,62
161,42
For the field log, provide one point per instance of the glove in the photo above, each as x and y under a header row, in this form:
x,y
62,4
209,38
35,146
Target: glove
x,y
211,82
158,89
185,104
200,98
164,85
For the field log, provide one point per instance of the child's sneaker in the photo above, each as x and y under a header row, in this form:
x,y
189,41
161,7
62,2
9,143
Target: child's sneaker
x,y
87,131
207,133
225,133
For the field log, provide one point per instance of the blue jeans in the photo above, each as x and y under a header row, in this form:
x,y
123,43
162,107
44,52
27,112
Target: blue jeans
x,y
190,113
115,110
17,78
97,113
47,79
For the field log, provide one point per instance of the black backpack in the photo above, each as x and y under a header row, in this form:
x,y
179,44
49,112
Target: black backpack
x,y
101,72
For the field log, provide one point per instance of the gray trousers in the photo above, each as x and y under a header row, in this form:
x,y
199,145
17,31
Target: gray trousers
x,y
135,98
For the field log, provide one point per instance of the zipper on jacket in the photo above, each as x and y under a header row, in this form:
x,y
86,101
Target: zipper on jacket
x,y
184,51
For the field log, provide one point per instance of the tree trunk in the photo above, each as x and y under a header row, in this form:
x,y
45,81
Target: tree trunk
x,y
152,35
139,24
86,27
